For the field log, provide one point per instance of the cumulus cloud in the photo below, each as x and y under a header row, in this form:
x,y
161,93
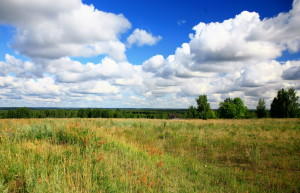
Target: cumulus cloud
x,y
41,87
141,37
229,40
154,63
228,45
94,87
282,29
69,71
54,29
24,87
236,57
259,74
293,72
19,68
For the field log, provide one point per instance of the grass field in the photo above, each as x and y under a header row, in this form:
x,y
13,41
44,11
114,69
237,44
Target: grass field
x,y
138,155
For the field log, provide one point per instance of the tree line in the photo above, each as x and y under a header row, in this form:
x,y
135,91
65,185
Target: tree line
x,y
24,112
284,105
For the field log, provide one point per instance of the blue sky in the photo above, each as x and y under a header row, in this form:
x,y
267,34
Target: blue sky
x,y
164,17
133,53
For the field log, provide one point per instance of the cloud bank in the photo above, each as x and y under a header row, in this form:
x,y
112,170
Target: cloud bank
x,y
237,57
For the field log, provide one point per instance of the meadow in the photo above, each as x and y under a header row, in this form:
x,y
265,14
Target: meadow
x,y
142,155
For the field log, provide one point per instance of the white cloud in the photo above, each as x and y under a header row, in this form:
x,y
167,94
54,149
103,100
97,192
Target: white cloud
x,y
141,37
70,71
231,58
259,74
18,67
19,87
53,29
282,30
235,57
229,41
42,87
94,87
154,63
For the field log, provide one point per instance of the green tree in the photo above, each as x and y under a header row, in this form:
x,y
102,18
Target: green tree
x,y
192,112
261,109
232,108
203,107
285,104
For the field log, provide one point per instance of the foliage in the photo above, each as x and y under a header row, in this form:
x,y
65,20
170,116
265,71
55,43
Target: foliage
x,y
261,109
232,108
203,107
285,104
192,113
202,110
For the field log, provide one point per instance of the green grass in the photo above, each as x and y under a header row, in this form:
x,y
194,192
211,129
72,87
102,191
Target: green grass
x,y
136,155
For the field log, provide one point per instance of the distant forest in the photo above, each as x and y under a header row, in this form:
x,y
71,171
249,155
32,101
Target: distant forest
x,y
91,113
25,112
284,105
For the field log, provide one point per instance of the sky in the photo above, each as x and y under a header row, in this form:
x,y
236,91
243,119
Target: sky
x,y
146,54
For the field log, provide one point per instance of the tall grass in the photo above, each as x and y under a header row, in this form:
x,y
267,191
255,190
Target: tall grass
x,y
136,155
